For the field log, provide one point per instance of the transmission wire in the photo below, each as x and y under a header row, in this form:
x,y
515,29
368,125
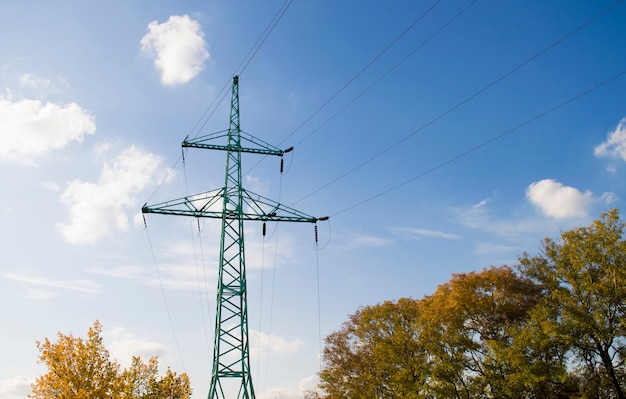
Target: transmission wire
x,y
319,301
387,73
369,64
349,82
261,40
167,308
275,234
463,102
241,67
195,258
486,143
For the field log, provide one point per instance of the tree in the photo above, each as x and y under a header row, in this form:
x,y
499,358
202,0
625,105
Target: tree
x,y
555,328
584,277
460,342
471,327
376,354
81,369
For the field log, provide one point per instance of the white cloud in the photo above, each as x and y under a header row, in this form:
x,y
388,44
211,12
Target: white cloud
x,y
262,344
415,233
561,202
98,209
125,345
30,128
15,388
615,144
178,48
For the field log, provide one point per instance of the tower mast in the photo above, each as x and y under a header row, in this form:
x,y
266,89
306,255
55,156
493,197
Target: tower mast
x,y
231,351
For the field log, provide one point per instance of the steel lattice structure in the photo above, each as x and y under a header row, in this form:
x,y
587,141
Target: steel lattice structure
x,y
231,353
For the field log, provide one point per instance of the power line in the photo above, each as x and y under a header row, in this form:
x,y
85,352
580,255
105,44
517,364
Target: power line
x,y
486,143
351,80
167,308
241,67
257,45
369,64
221,95
464,101
388,72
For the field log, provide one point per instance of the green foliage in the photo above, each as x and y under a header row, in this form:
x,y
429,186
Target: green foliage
x,y
554,328
584,278
375,354
81,369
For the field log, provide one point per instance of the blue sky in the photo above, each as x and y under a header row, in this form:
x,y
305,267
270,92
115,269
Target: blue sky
x,y
457,145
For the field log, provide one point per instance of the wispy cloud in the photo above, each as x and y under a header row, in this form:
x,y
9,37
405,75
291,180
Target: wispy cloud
x,y
615,144
35,81
178,48
31,128
562,202
416,233
359,240
98,209
44,287
479,217
179,276
491,248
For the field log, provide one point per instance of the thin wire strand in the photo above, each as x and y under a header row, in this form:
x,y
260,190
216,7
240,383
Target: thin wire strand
x,y
319,301
348,83
366,67
388,72
273,291
167,307
269,334
206,288
212,108
195,258
261,40
486,143
462,102
258,364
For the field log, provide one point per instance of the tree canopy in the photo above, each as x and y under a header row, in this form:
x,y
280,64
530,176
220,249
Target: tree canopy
x,y
553,326
82,369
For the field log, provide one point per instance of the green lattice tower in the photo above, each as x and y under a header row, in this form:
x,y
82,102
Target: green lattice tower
x,y
231,353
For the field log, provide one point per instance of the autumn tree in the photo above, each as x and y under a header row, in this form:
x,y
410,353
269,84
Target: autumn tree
x,y
584,277
81,369
553,328
376,354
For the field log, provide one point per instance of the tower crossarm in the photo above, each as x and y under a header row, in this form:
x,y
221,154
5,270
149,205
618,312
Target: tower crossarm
x,y
247,143
209,205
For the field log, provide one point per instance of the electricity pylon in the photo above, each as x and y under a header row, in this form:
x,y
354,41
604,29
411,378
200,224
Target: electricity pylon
x,y
231,351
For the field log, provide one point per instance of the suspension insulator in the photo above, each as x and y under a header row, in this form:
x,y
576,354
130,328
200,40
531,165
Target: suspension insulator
x,y
316,235
264,228
282,163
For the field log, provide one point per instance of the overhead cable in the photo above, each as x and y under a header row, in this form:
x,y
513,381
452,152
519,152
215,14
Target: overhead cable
x,y
369,64
486,143
464,101
221,95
